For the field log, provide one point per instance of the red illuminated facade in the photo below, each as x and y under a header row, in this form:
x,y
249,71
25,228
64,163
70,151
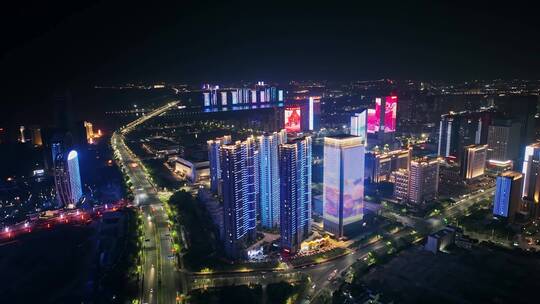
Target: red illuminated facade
x,y
379,120
293,119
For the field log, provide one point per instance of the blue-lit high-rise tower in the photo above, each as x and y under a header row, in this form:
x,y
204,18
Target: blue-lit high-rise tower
x,y
269,177
74,176
67,179
239,183
295,192
507,198
213,158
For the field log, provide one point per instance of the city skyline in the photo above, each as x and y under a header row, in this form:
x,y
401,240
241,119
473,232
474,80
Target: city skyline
x,y
280,152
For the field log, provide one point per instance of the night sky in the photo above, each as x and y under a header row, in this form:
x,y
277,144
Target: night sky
x,y
69,44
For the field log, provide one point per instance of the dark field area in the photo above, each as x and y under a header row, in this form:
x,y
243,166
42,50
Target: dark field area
x,y
483,275
50,266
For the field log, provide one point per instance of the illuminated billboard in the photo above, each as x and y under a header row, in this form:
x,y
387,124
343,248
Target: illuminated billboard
x,y
373,121
390,114
292,119
389,118
353,183
343,180
331,183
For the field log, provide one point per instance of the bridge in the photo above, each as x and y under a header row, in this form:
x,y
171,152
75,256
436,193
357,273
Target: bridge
x,y
203,281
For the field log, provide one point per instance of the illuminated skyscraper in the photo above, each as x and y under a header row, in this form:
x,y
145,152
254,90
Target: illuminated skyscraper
x,y
56,148
269,177
74,176
67,179
531,173
61,180
423,180
22,137
382,120
89,132
457,130
239,177
473,162
380,163
343,184
37,140
213,158
295,193
314,110
508,195
503,140
401,184
359,125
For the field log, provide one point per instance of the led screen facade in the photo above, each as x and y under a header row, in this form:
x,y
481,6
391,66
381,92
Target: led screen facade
x,y
390,114
343,181
292,119
331,183
502,196
373,121
379,122
353,184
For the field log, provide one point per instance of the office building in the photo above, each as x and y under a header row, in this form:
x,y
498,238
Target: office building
x,y
67,179
381,121
37,140
56,148
401,184
423,180
192,170
314,113
295,193
343,184
74,176
268,146
524,109
22,136
213,158
458,130
473,163
442,239
359,125
239,183
531,180
531,172
503,140
89,132
507,198
450,178
380,163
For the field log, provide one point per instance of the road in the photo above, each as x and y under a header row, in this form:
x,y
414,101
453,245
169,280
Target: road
x,y
161,282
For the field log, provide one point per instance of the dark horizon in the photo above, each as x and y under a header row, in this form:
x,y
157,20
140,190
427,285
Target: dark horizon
x,y
100,42
51,47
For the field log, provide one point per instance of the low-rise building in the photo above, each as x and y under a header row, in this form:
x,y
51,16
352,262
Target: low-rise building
x,y
440,240
161,146
192,171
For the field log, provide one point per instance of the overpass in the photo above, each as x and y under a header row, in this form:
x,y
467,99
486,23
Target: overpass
x,y
203,281
129,127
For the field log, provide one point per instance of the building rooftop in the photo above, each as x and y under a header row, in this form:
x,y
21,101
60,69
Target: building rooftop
x,y
341,136
512,174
